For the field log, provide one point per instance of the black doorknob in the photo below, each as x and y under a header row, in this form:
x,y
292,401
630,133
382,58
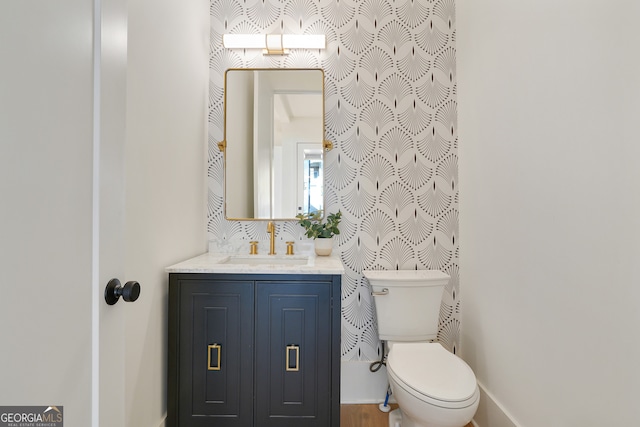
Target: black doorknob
x,y
129,292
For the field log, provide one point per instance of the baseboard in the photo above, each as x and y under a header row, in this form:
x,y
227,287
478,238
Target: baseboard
x,y
491,413
358,385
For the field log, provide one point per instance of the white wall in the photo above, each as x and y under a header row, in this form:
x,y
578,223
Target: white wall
x,y
549,100
165,177
46,109
239,130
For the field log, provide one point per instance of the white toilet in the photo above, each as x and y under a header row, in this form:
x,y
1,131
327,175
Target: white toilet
x,y
433,387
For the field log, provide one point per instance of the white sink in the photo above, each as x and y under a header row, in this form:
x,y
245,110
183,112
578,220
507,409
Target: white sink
x,y
265,260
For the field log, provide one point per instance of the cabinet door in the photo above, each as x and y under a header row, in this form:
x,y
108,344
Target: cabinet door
x,y
293,354
216,353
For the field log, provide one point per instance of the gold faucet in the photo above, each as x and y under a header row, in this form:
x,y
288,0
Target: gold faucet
x,y
271,229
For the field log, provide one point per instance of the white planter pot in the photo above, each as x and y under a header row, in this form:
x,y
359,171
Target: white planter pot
x,y
323,247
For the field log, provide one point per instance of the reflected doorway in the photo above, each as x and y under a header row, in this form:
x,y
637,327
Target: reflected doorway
x,y
310,178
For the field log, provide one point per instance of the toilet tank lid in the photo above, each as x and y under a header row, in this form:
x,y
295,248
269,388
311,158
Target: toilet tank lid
x,y
433,371
405,275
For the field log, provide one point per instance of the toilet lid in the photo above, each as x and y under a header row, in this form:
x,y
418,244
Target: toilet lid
x,y
429,369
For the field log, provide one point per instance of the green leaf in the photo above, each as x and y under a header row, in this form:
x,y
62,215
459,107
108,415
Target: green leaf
x,y
316,228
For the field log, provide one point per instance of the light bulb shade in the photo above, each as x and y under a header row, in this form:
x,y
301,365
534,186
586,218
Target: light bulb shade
x,y
244,41
274,43
303,41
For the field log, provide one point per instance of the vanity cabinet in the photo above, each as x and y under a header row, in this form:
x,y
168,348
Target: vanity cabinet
x,y
254,350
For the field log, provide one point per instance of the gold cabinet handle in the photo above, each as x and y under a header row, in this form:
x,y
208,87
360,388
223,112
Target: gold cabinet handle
x,y
288,365
216,358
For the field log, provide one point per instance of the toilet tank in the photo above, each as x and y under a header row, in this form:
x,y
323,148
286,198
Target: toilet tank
x,y
407,302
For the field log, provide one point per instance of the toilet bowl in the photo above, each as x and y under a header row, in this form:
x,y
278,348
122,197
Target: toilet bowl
x,y
433,387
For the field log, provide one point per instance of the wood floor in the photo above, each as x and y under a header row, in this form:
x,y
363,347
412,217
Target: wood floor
x,y
365,416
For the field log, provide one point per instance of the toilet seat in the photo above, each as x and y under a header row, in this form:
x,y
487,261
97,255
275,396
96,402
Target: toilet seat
x,y
432,374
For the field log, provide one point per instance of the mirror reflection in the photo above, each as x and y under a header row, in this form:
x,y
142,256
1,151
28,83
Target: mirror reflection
x,y
274,133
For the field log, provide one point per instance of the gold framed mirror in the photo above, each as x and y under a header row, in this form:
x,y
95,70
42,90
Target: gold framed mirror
x,y
273,143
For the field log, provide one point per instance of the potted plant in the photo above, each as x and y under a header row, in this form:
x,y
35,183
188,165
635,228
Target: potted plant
x,y
321,232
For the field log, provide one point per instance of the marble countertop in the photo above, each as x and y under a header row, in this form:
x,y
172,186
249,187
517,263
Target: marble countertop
x,y
215,263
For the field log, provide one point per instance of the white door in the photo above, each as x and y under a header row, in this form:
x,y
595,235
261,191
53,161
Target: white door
x,y
60,344
61,208
109,135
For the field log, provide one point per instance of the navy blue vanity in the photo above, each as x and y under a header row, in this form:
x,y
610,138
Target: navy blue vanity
x,y
254,345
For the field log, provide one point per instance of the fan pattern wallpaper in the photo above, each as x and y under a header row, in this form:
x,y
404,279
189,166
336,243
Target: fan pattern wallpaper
x,y
390,110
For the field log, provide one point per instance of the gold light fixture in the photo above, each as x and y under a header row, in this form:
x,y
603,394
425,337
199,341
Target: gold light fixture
x,y
274,44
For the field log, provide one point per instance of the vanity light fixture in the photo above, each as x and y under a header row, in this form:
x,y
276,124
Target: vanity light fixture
x,y
274,44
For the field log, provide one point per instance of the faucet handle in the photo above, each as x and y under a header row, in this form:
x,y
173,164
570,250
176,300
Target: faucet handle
x,y
289,248
253,249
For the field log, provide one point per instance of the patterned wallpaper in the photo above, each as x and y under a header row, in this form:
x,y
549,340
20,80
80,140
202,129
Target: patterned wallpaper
x,y
390,94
